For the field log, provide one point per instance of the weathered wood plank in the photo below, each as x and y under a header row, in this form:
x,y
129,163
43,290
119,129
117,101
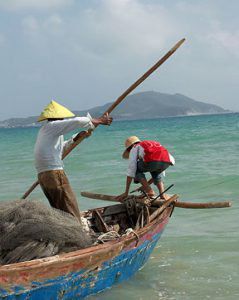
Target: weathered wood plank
x,y
158,202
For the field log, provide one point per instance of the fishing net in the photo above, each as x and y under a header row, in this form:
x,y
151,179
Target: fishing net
x,y
30,230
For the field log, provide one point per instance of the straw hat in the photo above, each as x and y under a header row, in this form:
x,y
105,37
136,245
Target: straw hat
x,y
55,111
128,143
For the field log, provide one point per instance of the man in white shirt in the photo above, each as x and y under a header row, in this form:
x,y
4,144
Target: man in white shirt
x,y
145,156
49,149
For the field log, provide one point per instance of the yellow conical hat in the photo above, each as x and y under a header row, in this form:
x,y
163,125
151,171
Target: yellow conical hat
x,y
55,111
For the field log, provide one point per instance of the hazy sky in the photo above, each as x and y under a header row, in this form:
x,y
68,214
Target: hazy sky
x,y
84,53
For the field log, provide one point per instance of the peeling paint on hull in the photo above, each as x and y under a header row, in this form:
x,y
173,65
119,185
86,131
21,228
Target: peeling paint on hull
x,y
81,273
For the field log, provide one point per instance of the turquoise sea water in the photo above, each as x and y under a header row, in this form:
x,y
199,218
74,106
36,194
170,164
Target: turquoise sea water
x,y
197,256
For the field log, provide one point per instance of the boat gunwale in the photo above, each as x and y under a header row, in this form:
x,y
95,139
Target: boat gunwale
x,y
111,247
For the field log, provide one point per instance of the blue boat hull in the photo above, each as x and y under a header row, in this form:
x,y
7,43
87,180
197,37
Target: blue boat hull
x,y
109,266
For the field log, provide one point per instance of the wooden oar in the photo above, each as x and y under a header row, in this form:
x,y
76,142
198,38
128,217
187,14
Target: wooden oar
x,y
117,102
166,203
158,202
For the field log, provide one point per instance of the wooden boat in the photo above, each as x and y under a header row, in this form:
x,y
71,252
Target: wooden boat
x,y
78,274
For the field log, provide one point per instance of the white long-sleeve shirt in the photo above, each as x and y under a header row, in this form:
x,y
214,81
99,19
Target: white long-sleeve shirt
x,y
50,142
137,152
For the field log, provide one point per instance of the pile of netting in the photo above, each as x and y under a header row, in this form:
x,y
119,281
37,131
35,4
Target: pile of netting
x,y
30,230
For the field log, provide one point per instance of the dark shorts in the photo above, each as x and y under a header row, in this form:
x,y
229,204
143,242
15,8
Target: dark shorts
x,y
155,168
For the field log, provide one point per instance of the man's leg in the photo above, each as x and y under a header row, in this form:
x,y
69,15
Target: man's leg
x,y
157,168
140,177
58,191
146,187
160,186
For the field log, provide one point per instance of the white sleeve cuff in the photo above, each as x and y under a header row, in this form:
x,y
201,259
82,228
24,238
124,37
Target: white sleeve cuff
x,y
91,124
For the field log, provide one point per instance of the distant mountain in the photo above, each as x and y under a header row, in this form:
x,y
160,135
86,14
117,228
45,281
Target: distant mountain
x,y
20,122
149,105
145,105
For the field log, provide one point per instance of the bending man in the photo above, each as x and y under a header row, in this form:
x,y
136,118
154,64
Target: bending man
x,y
145,156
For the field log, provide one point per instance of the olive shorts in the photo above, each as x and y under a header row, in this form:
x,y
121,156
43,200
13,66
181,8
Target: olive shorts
x,y
58,191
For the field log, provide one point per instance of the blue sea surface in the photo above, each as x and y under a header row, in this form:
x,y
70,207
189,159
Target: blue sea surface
x,y
198,255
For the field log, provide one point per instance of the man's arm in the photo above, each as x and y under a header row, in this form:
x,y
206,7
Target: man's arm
x,y
82,134
103,120
125,194
128,183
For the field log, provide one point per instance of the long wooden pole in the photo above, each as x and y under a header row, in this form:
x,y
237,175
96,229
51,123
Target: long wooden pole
x,y
130,89
157,202
117,102
145,75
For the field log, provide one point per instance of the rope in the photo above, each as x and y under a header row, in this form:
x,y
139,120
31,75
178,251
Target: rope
x,y
112,235
129,231
108,236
